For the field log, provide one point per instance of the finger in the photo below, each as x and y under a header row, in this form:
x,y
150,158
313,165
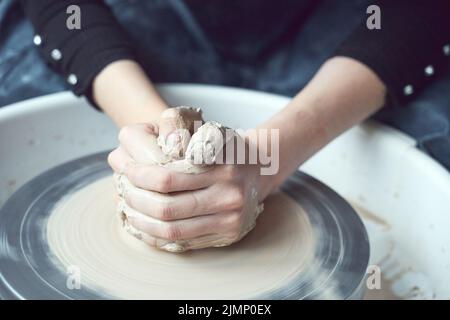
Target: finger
x,y
128,214
153,241
208,241
175,129
183,229
119,159
228,226
140,142
184,204
164,180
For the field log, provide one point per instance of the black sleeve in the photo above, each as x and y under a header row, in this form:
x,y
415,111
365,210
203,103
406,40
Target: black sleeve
x,y
77,54
409,51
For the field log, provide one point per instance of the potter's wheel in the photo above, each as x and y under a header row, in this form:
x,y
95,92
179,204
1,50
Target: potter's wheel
x,y
29,269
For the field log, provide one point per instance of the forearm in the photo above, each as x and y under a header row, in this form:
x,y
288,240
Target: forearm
x,y
126,94
341,94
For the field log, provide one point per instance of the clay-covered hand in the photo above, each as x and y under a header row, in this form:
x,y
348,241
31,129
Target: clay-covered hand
x,y
187,203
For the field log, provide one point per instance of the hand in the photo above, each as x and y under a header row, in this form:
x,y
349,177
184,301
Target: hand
x,y
177,211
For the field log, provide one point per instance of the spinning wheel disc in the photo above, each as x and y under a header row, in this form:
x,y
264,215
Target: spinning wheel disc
x,y
31,269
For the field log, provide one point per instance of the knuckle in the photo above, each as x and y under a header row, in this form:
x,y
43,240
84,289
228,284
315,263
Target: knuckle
x,y
237,198
164,182
172,232
234,221
165,212
230,171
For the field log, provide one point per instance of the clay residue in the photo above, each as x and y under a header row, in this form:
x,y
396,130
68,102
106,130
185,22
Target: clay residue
x,y
367,215
399,280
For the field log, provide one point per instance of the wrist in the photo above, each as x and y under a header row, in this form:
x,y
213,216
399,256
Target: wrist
x,y
262,152
125,93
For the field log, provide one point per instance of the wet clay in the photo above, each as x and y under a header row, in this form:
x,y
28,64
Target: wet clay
x,y
84,231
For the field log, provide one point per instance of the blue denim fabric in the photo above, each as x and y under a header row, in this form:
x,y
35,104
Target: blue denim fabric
x,y
187,51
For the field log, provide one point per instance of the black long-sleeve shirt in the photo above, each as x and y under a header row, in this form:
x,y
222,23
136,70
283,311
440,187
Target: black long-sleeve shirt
x,y
407,53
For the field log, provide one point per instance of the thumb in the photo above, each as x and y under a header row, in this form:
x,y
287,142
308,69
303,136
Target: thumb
x,y
176,126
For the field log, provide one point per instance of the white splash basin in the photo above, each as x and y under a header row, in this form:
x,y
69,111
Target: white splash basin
x,y
373,166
